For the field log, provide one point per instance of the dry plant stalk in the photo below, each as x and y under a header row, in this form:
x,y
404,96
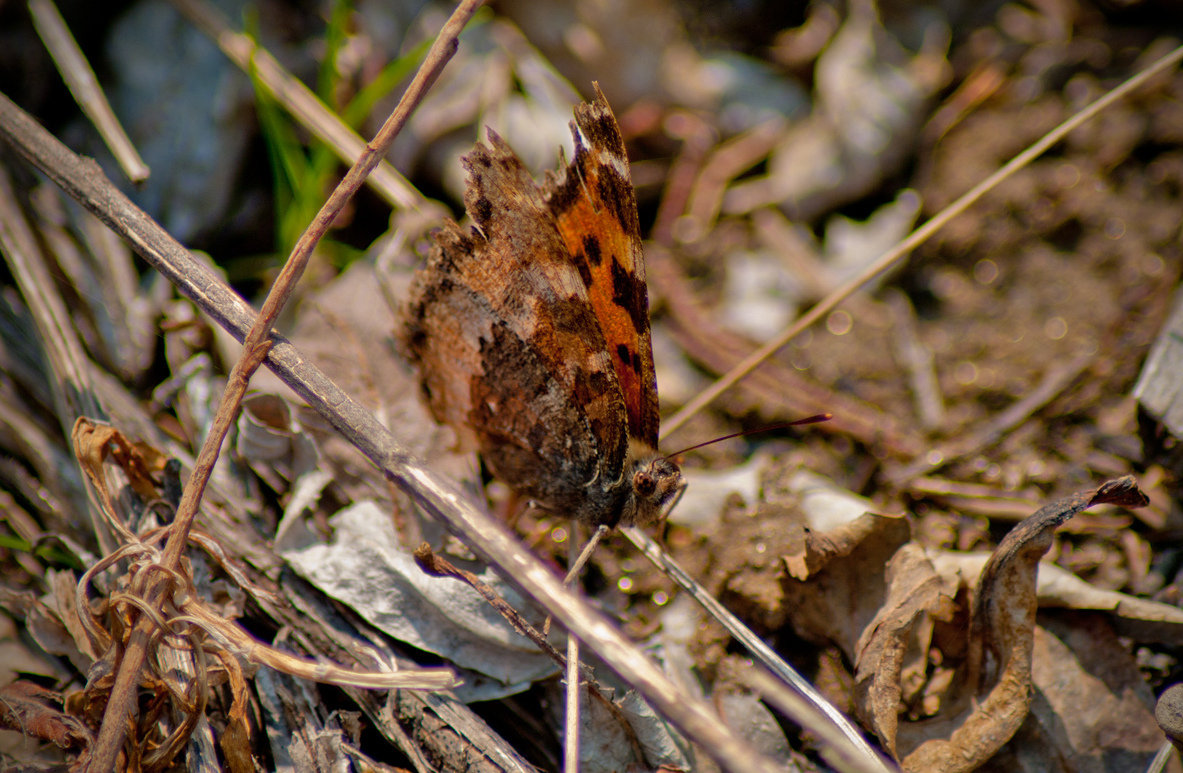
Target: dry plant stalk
x,y
183,622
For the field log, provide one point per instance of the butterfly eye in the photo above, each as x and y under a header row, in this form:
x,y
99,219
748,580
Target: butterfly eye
x,y
644,484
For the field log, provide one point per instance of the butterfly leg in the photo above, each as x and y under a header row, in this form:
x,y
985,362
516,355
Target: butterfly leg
x,y
676,499
585,554
580,561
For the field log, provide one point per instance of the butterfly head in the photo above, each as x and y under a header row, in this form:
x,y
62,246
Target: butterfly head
x,y
656,483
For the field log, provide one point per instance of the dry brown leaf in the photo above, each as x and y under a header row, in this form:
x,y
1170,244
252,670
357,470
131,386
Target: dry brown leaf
x,y
47,623
819,549
877,596
1141,619
995,687
235,740
892,658
94,443
1092,709
841,598
65,585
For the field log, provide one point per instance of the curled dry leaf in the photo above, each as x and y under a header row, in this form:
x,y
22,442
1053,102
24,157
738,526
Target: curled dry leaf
x,y
1141,619
235,740
95,443
867,588
1092,707
841,597
864,586
818,549
996,687
892,653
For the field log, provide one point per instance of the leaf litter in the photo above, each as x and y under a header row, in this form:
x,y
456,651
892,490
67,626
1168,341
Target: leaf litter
x,y
1026,668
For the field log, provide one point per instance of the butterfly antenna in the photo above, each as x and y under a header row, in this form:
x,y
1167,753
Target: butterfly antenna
x,y
815,419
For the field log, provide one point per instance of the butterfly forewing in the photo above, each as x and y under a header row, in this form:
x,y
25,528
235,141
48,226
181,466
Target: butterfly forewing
x,y
596,212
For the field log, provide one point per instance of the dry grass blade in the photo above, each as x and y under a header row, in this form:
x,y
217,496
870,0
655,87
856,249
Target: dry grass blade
x,y
298,100
834,720
438,566
1055,381
571,723
80,78
71,389
577,674
836,747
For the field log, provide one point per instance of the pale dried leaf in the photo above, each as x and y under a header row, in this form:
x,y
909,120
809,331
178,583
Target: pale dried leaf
x,y
622,736
1091,709
869,101
820,549
364,567
747,714
1142,619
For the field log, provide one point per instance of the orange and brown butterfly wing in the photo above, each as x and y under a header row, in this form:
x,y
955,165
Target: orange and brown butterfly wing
x,y
596,212
509,349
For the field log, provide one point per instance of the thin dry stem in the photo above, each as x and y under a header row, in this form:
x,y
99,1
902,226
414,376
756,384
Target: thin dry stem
x,y
571,737
748,639
84,86
835,747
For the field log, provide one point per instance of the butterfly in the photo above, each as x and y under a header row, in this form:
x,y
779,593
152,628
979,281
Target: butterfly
x,y
530,330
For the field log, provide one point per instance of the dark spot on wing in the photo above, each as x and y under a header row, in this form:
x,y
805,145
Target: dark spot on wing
x,y
591,386
600,127
563,197
617,194
591,248
584,271
602,381
503,352
630,294
625,355
537,435
568,313
482,210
